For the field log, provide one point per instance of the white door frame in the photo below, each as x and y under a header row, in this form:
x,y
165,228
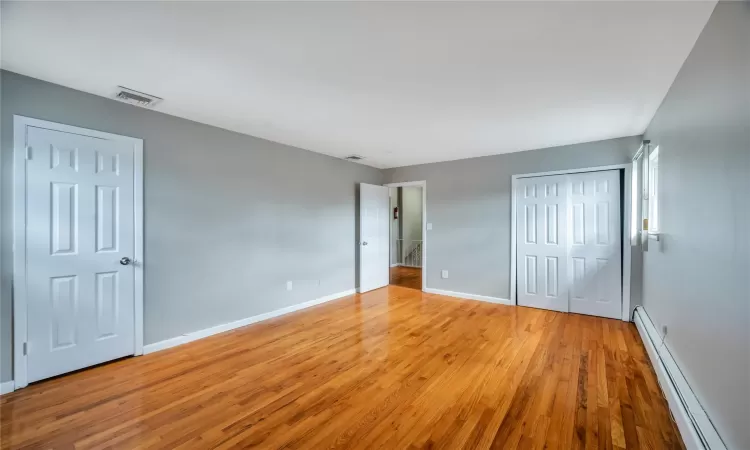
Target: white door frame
x,y
423,185
20,124
625,229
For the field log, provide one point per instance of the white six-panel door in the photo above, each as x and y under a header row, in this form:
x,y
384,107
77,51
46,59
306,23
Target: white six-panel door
x,y
569,243
541,243
595,242
79,229
374,205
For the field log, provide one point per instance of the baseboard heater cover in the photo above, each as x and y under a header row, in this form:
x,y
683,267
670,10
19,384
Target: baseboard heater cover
x,y
698,433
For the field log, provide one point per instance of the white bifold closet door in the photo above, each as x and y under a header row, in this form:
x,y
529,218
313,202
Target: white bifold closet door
x,y
542,250
569,243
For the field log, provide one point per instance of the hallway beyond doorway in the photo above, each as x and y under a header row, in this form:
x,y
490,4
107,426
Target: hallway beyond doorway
x,y
408,277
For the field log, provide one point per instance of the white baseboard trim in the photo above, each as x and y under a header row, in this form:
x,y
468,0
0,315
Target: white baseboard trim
x,y
698,433
200,334
482,298
7,387
395,265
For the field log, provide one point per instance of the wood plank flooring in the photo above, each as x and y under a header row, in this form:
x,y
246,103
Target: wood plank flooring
x,y
409,277
390,369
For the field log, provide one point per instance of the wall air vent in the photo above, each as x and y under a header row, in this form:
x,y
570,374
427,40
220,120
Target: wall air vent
x,y
354,158
136,98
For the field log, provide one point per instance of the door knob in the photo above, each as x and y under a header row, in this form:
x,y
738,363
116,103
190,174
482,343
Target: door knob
x,y
364,243
125,261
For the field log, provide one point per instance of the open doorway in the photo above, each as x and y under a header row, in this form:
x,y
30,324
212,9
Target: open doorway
x,y
407,228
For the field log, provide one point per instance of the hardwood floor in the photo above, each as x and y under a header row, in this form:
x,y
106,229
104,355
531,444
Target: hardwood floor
x,y
390,369
409,277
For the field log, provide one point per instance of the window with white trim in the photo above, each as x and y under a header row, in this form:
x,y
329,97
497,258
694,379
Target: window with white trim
x,y
635,198
653,191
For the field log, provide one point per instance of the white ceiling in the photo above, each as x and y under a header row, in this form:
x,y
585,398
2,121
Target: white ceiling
x,y
399,83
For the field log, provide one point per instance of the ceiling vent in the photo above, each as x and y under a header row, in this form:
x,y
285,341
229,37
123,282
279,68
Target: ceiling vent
x,y
136,98
354,158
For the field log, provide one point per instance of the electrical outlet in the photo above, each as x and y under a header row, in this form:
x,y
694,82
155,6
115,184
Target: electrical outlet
x,y
429,226
444,274
288,285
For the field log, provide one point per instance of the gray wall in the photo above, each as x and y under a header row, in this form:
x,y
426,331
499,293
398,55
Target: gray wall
x,y
697,284
468,205
228,218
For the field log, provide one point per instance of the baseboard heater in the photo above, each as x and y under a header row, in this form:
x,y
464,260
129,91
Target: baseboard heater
x,y
696,428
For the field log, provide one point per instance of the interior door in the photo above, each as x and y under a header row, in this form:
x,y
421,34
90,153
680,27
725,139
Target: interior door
x,y
79,241
373,237
595,263
542,254
569,243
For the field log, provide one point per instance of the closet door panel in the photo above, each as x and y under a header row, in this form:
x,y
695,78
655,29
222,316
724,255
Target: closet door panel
x,y
541,257
595,251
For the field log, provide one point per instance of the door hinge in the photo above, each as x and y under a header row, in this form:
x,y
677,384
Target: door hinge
x,y
28,152
25,348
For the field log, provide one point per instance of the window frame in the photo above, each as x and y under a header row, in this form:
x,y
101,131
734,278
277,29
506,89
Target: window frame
x,y
652,191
